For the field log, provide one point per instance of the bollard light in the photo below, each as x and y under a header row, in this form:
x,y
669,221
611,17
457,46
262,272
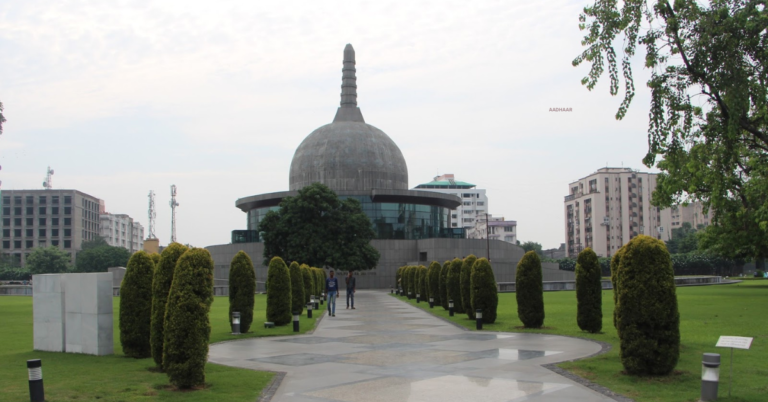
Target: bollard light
x,y
391,290
296,315
450,308
36,391
322,298
431,302
418,297
235,323
309,310
479,318
710,376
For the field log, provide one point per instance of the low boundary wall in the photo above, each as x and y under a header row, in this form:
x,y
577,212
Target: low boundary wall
x,y
550,286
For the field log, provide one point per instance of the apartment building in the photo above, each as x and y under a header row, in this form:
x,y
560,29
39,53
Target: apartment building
x,y
474,201
496,227
41,218
121,230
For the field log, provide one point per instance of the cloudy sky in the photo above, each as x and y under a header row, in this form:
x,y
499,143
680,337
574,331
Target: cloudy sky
x,y
123,97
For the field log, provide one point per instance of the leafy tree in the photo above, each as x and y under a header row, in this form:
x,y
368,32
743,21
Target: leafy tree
x,y
279,294
136,306
683,239
297,288
320,229
466,285
161,286
532,246
589,292
242,288
483,291
187,324
529,291
453,285
96,242
647,315
48,260
444,284
98,259
709,102
309,282
433,277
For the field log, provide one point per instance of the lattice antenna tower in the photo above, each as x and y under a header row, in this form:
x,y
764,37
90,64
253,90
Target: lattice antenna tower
x,y
152,215
48,183
174,204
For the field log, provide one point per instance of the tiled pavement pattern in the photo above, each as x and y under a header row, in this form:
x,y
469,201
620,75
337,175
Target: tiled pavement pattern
x,y
387,350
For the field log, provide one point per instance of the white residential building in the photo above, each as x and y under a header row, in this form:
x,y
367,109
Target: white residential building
x,y
121,230
496,227
474,201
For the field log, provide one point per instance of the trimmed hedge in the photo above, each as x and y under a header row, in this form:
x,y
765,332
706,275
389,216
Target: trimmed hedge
x,y
413,281
319,282
279,296
136,306
453,285
483,292
297,288
433,279
529,292
398,278
242,287
615,262
404,279
309,282
423,283
648,319
155,258
444,284
589,292
466,286
161,286
187,325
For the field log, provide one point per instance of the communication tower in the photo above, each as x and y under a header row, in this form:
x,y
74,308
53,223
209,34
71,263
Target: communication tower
x,y
174,204
48,183
152,215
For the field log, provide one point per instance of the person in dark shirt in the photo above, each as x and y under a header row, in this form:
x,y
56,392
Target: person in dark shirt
x,y
332,290
351,282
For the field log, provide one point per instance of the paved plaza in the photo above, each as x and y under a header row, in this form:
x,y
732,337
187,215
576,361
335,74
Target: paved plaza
x,y
387,350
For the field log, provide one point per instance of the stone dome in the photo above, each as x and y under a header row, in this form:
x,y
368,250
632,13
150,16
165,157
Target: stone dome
x,y
349,154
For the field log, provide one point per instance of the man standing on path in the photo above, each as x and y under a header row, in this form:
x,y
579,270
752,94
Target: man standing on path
x,y
331,289
351,289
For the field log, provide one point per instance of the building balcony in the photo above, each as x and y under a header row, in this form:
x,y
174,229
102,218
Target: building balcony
x,y
570,197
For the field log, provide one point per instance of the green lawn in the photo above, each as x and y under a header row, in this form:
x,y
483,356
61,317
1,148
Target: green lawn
x,y
706,312
73,377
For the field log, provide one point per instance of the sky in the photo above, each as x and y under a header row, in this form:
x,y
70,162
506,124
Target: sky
x,y
123,97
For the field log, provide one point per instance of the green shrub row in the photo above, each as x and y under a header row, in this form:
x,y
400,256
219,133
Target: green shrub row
x,y
466,286
444,284
433,279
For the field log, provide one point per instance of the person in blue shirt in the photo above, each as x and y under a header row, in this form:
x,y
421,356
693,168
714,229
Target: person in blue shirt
x,y
332,290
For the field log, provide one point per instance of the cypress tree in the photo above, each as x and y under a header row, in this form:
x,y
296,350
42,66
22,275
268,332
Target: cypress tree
x,y
155,258
423,283
398,278
615,263
187,325
161,285
444,284
136,306
483,292
466,285
319,282
413,281
309,282
589,292
242,289
279,294
529,292
407,280
433,277
454,285
648,319
297,288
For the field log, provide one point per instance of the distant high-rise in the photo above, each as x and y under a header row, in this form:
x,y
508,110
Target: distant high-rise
x,y
474,202
121,230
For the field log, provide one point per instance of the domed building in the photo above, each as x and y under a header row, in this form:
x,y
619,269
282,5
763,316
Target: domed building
x,y
358,160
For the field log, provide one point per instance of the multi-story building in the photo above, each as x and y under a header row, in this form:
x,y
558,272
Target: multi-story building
x,y
41,218
121,230
474,201
606,209
496,228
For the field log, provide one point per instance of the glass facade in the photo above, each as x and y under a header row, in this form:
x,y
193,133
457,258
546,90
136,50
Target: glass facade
x,y
392,220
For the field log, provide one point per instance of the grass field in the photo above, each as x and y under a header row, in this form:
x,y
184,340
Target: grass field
x,y
706,313
73,377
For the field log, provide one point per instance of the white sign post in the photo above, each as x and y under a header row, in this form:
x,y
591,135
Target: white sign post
x,y
738,342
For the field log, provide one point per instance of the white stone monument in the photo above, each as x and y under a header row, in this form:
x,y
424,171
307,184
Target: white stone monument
x,y
73,313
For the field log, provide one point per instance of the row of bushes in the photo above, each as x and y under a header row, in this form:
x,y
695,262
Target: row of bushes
x,y
468,282
682,264
14,274
289,289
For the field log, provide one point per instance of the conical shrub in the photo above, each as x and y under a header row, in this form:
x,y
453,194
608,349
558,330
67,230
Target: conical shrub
x,y
161,285
319,282
454,285
136,306
529,292
444,284
615,263
155,258
309,282
297,288
279,296
648,318
433,277
589,292
483,292
466,285
398,278
423,283
242,289
187,325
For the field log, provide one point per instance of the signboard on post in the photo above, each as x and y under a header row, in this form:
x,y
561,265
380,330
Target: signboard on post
x,y
738,342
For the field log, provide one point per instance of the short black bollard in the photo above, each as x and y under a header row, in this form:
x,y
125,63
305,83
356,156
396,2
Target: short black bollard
x,y
391,290
322,299
450,308
296,315
235,323
418,298
479,318
431,302
309,310
36,391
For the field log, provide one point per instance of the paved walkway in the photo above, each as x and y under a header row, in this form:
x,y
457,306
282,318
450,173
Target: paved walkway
x,y
387,350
